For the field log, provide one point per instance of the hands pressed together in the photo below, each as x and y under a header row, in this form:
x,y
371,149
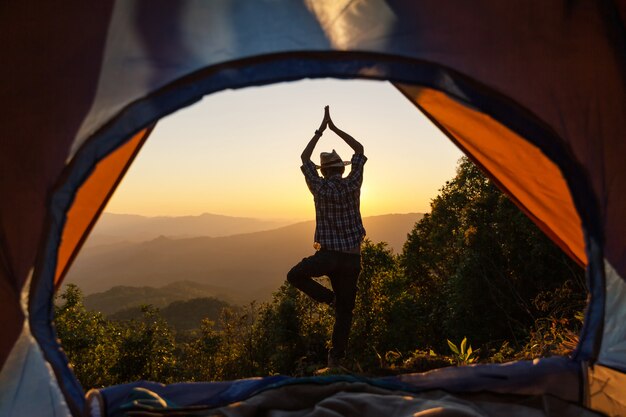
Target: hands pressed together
x,y
326,121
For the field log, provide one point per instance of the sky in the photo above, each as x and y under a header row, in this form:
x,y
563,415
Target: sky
x,y
237,153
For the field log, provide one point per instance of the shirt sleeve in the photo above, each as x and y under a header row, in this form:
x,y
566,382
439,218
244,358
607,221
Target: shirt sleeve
x,y
355,177
313,179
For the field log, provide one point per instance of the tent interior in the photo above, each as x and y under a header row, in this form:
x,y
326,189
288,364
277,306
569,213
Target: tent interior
x,y
534,93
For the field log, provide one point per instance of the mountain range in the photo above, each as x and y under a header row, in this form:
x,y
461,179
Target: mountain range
x,y
117,228
238,268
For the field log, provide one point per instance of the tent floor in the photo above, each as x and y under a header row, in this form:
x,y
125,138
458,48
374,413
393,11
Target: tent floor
x,y
543,387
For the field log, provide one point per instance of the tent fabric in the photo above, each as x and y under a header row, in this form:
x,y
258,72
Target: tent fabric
x,y
552,73
39,69
206,394
614,336
532,180
29,387
91,198
345,396
555,377
27,383
605,391
296,401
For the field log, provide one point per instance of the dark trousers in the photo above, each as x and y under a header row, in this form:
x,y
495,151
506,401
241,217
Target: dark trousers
x,y
343,270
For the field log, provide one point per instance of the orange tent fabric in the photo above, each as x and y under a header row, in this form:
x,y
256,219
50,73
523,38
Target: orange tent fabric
x,y
533,181
91,200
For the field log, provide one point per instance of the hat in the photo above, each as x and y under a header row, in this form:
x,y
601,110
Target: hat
x,y
331,159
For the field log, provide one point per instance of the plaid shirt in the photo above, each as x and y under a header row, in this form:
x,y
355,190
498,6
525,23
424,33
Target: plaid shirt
x,y
337,206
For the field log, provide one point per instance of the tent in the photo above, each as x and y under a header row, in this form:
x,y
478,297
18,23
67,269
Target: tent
x,y
531,90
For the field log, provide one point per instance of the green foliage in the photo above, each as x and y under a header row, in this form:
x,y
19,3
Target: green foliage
x,y
199,359
556,331
504,353
146,349
477,260
463,354
89,340
422,361
236,352
181,315
293,333
378,265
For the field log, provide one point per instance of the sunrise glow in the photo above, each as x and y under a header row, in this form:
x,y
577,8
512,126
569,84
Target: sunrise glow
x,y
238,153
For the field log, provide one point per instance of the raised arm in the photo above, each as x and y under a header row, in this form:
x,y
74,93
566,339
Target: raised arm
x,y
308,151
353,143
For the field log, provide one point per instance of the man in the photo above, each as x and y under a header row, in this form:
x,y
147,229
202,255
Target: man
x,y
339,232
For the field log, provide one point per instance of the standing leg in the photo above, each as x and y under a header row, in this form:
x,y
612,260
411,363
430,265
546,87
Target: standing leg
x,y
301,276
344,282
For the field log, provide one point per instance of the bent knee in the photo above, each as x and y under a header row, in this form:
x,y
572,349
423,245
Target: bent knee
x,y
293,276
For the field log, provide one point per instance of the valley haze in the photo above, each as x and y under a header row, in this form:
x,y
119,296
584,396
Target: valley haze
x,y
235,259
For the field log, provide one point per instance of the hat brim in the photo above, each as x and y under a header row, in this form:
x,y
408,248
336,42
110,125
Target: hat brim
x,y
334,164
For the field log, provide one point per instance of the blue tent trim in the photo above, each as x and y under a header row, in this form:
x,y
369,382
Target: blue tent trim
x,y
294,66
549,376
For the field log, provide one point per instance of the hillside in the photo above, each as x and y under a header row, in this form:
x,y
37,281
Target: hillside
x,y
246,267
123,297
181,315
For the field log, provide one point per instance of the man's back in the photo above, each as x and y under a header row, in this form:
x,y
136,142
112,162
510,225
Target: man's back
x,y
337,206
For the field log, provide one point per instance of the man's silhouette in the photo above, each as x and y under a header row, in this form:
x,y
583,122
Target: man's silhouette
x,y
339,232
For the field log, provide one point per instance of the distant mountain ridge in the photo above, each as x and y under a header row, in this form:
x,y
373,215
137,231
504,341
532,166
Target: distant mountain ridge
x,y
123,297
245,267
117,228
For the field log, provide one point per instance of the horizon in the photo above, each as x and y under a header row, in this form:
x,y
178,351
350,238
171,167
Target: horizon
x,y
233,154
250,217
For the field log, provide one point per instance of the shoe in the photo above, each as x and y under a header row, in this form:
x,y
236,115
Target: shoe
x,y
335,367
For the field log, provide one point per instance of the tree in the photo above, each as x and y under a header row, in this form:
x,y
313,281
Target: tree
x,y
146,349
476,262
292,333
89,340
199,358
378,264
